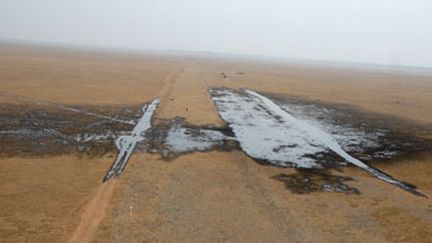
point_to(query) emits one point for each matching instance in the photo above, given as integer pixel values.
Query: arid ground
(212, 196)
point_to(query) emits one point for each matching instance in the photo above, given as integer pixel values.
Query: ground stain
(396, 137)
(264, 126)
(35, 130)
(305, 181)
(159, 139)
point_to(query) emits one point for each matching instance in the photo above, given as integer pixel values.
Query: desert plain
(203, 196)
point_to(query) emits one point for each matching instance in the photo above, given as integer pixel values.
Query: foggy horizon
(393, 33)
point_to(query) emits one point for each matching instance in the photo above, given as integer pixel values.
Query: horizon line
(257, 57)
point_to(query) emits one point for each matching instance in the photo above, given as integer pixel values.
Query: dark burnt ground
(387, 138)
(364, 135)
(315, 180)
(29, 130)
(156, 138)
(397, 139)
(393, 137)
(39, 130)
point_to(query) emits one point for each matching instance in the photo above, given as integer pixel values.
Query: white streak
(321, 138)
(126, 144)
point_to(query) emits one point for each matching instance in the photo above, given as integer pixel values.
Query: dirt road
(93, 213)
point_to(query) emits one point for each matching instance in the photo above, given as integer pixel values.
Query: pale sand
(214, 196)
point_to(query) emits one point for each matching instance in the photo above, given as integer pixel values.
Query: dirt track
(212, 196)
(93, 213)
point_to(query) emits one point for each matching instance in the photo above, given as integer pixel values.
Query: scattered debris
(224, 75)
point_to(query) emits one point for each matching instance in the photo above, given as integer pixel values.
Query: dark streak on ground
(36, 130)
(314, 180)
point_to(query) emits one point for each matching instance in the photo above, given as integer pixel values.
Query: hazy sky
(396, 32)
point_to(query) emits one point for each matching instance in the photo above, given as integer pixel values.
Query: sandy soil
(203, 197)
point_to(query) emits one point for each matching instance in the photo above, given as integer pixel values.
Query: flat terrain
(214, 196)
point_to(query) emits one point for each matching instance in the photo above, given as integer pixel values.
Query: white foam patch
(268, 132)
(261, 135)
(181, 139)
